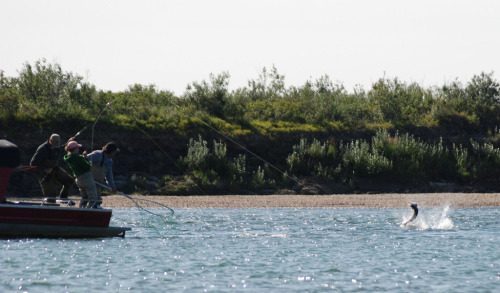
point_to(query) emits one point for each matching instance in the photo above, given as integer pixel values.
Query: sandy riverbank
(336, 200)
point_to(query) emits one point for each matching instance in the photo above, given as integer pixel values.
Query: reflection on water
(282, 250)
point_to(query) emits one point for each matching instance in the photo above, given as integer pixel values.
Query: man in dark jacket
(46, 160)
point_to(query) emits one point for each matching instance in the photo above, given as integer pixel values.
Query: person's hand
(84, 154)
(48, 170)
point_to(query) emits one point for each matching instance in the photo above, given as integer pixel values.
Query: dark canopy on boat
(9, 159)
(9, 154)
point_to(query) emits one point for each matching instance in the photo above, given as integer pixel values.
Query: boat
(44, 219)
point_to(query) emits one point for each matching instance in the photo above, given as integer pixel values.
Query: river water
(261, 249)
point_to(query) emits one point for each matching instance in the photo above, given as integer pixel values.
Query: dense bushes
(213, 168)
(402, 158)
(43, 95)
(398, 156)
(44, 91)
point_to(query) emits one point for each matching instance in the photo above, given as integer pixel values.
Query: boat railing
(58, 200)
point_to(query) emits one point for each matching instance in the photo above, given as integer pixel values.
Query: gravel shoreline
(306, 201)
(337, 200)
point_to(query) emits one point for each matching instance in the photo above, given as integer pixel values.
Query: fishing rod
(77, 134)
(95, 122)
(87, 126)
(23, 168)
(134, 200)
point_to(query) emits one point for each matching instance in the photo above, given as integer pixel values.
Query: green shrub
(213, 167)
(484, 95)
(438, 163)
(463, 162)
(399, 103)
(9, 98)
(360, 160)
(486, 160)
(307, 157)
(260, 181)
(210, 97)
(405, 152)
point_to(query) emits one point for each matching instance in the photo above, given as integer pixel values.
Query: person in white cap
(81, 168)
(48, 172)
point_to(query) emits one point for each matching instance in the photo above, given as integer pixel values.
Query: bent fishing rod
(93, 126)
(95, 122)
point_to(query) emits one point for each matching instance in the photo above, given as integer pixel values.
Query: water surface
(279, 250)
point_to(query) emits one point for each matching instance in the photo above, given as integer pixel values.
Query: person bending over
(102, 165)
(48, 172)
(81, 168)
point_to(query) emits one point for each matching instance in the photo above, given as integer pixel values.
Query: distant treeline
(43, 95)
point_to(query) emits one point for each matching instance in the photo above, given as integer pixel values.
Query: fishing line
(93, 125)
(247, 150)
(228, 138)
(252, 153)
(169, 157)
(95, 122)
(134, 200)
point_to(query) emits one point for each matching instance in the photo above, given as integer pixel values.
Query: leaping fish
(415, 213)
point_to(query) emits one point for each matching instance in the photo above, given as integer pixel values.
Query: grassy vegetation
(44, 96)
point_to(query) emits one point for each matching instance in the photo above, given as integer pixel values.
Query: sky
(173, 43)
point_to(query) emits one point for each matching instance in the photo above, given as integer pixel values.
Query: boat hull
(22, 220)
(13, 231)
(54, 215)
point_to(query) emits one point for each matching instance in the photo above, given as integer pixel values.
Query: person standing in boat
(81, 168)
(48, 172)
(102, 165)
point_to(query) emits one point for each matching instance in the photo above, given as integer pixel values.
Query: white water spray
(435, 219)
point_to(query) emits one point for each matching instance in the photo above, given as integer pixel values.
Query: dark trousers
(48, 183)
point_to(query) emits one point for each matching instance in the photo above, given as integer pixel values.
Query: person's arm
(40, 154)
(92, 157)
(109, 175)
(37, 157)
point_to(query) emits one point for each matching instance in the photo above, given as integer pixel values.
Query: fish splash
(432, 219)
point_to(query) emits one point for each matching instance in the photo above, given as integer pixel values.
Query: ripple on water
(280, 250)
